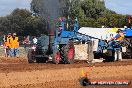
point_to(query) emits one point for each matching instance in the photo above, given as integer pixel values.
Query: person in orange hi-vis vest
(15, 45)
(8, 44)
(8, 39)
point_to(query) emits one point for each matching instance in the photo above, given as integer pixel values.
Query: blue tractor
(59, 46)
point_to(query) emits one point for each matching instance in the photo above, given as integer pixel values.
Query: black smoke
(51, 11)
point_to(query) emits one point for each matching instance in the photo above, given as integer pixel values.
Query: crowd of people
(11, 45)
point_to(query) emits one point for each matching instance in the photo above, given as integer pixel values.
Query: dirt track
(17, 73)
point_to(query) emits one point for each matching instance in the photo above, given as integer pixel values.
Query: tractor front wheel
(30, 57)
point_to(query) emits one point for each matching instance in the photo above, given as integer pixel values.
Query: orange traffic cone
(83, 74)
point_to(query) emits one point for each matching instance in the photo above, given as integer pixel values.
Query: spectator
(25, 42)
(15, 45)
(8, 44)
(6, 49)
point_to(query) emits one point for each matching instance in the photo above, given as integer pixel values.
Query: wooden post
(90, 51)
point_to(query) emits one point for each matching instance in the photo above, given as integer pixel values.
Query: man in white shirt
(35, 40)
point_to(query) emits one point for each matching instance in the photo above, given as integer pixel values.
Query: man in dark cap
(119, 36)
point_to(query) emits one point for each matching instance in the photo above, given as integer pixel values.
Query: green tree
(93, 8)
(22, 22)
(103, 21)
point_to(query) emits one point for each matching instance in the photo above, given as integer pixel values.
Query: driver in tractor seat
(117, 40)
(60, 26)
(59, 30)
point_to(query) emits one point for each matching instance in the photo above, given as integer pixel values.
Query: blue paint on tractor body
(68, 32)
(128, 32)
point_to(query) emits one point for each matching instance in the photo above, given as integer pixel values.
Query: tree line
(23, 23)
(91, 13)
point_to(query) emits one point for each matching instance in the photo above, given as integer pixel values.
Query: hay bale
(81, 52)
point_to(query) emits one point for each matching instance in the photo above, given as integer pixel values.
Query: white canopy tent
(100, 33)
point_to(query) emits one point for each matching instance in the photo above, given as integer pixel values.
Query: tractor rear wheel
(62, 48)
(30, 57)
(56, 57)
(69, 52)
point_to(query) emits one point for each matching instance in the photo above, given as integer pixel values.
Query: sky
(119, 6)
(7, 6)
